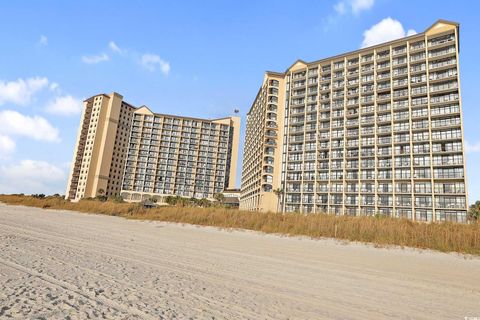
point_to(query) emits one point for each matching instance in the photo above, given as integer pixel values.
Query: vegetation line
(445, 237)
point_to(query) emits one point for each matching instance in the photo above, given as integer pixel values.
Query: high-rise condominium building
(102, 143)
(138, 154)
(374, 131)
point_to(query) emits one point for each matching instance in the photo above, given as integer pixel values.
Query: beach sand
(69, 265)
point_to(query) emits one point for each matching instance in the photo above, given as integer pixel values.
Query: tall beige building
(374, 131)
(132, 152)
(262, 156)
(102, 142)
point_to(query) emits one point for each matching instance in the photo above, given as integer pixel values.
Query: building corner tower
(262, 157)
(100, 149)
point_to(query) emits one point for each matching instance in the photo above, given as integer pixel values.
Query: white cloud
(361, 5)
(386, 30)
(152, 61)
(53, 86)
(149, 61)
(64, 105)
(113, 46)
(354, 6)
(20, 91)
(472, 148)
(36, 127)
(31, 176)
(95, 59)
(411, 32)
(7, 146)
(340, 8)
(43, 40)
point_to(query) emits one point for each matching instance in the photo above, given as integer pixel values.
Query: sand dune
(60, 264)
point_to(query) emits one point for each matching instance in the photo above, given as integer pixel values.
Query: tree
(474, 211)
(278, 192)
(219, 197)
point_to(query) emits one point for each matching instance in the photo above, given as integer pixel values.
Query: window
(402, 174)
(446, 134)
(423, 187)
(404, 201)
(421, 148)
(445, 110)
(423, 215)
(385, 200)
(445, 173)
(423, 201)
(450, 202)
(385, 187)
(368, 200)
(451, 215)
(368, 187)
(385, 174)
(448, 160)
(421, 161)
(450, 187)
(402, 187)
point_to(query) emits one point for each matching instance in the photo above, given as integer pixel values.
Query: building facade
(262, 155)
(132, 152)
(171, 155)
(101, 146)
(374, 131)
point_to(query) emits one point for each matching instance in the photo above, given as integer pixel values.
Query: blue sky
(195, 58)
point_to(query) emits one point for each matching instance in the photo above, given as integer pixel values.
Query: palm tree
(278, 192)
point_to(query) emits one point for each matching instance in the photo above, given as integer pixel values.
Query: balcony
(440, 41)
(417, 46)
(442, 64)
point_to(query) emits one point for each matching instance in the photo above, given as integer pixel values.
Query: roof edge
(380, 45)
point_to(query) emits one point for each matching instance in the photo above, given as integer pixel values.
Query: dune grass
(445, 237)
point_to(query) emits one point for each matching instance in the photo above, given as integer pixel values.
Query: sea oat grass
(446, 237)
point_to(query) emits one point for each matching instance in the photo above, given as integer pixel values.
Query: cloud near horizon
(7, 146)
(32, 176)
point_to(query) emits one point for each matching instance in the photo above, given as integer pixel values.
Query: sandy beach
(68, 265)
